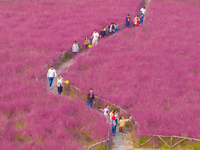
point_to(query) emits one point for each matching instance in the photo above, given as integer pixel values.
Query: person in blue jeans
(116, 27)
(141, 16)
(114, 125)
(90, 98)
(50, 75)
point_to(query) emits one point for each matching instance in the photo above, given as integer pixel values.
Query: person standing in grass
(138, 22)
(114, 125)
(143, 10)
(86, 42)
(116, 27)
(141, 16)
(75, 49)
(122, 122)
(128, 20)
(50, 75)
(90, 98)
(95, 37)
(60, 84)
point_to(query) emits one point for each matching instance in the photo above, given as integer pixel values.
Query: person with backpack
(90, 98)
(50, 75)
(122, 122)
(75, 49)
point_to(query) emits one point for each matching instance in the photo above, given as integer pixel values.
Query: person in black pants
(111, 28)
(60, 84)
(90, 98)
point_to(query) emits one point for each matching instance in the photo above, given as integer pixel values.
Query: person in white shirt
(60, 84)
(111, 115)
(143, 10)
(106, 110)
(75, 49)
(50, 75)
(95, 37)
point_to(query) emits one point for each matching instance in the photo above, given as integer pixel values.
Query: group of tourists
(114, 119)
(51, 74)
(112, 28)
(138, 20)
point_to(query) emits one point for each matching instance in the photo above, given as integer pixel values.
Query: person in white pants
(95, 37)
(50, 75)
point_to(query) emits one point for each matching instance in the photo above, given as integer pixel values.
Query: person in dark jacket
(128, 20)
(111, 28)
(90, 98)
(103, 32)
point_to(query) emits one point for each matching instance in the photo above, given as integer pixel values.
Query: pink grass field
(31, 34)
(152, 71)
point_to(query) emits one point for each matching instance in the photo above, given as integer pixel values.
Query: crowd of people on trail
(114, 119)
(112, 28)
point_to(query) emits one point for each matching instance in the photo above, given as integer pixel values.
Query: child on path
(75, 49)
(90, 98)
(60, 84)
(122, 122)
(95, 37)
(50, 75)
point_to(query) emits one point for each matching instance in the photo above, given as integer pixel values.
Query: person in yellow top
(122, 122)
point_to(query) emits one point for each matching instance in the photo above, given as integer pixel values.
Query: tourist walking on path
(105, 111)
(86, 42)
(135, 20)
(143, 10)
(111, 115)
(113, 123)
(50, 75)
(116, 116)
(122, 122)
(128, 20)
(103, 32)
(95, 37)
(141, 16)
(60, 84)
(75, 49)
(111, 28)
(138, 22)
(90, 98)
(116, 27)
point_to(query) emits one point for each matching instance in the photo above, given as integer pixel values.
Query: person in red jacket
(138, 22)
